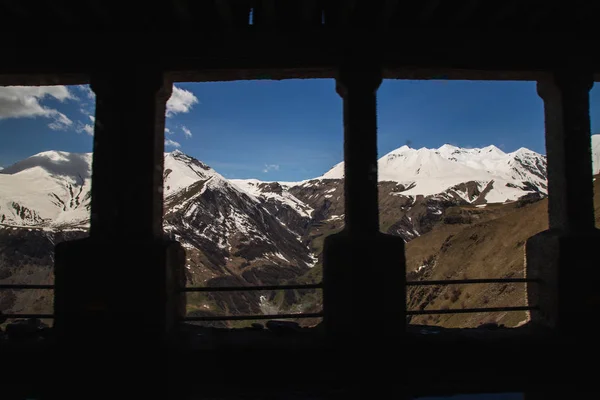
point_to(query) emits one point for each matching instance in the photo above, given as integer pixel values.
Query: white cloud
(61, 122)
(186, 132)
(168, 131)
(181, 101)
(85, 89)
(87, 128)
(24, 102)
(271, 167)
(92, 118)
(172, 143)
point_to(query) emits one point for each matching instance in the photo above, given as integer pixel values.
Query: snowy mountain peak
(447, 148)
(400, 150)
(432, 171)
(492, 149)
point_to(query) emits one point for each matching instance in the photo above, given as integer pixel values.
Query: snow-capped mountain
(240, 232)
(48, 189)
(503, 176)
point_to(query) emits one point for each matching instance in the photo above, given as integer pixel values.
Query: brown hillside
(490, 247)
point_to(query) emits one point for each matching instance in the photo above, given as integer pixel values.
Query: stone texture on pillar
(128, 159)
(358, 88)
(568, 150)
(569, 270)
(364, 271)
(564, 257)
(122, 283)
(118, 290)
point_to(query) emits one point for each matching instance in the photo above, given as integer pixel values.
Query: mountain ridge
(252, 232)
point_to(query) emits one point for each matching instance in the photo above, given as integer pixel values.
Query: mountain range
(248, 232)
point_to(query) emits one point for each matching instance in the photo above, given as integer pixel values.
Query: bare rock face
(263, 233)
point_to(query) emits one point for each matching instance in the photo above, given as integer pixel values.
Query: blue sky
(287, 130)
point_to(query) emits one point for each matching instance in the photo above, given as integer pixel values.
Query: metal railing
(16, 286)
(247, 317)
(251, 288)
(307, 287)
(471, 282)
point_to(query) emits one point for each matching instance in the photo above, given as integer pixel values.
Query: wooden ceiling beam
(268, 14)
(345, 13)
(506, 9)
(182, 11)
(225, 12)
(428, 10)
(466, 11)
(387, 13)
(308, 12)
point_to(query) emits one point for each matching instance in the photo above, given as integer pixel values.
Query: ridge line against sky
(287, 130)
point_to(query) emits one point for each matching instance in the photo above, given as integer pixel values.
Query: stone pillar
(127, 171)
(364, 294)
(358, 90)
(121, 284)
(568, 149)
(564, 257)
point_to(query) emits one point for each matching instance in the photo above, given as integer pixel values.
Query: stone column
(358, 90)
(568, 149)
(121, 284)
(364, 290)
(127, 189)
(563, 257)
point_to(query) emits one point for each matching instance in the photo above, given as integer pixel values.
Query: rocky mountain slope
(248, 232)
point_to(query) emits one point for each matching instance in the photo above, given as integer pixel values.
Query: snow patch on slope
(432, 171)
(258, 190)
(49, 188)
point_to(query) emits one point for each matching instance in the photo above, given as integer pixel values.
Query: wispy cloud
(181, 101)
(87, 91)
(168, 131)
(172, 143)
(186, 132)
(24, 102)
(270, 167)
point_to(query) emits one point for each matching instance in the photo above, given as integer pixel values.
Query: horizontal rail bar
(10, 286)
(472, 281)
(471, 310)
(27, 316)
(252, 288)
(251, 317)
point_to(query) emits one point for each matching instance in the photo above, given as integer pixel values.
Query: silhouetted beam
(471, 281)
(226, 15)
(387, 13)
(252, 288)
(507, 8)
(100, 12)
(182, 11)
(465, 12)
(545, 9)
(309, 11)
(471, 310)
(24, 287)
(268, 13)
(345, 12)
(58, 8)
(429, 9)
(253, 317)
(16, 7)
